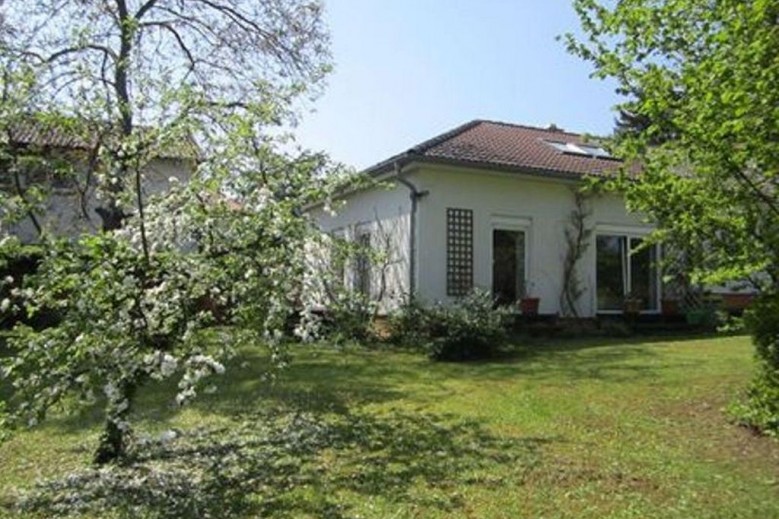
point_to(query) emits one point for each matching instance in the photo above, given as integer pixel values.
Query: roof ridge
(424, 146)
(530, 127)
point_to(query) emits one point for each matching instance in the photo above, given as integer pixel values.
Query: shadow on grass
(323, 381)
(613, 360)
(288, 464)
(326, 380)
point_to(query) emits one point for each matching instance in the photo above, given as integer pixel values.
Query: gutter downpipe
(414, 195)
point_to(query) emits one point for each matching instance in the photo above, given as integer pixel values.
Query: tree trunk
(115, 438)
(111, 215)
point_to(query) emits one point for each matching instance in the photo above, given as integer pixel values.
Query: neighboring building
(70, 205)
(489, 205)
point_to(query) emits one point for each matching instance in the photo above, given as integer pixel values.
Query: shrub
(468, 329)
(761, 408)
(348, 317)
(412, 324)
(16, 262)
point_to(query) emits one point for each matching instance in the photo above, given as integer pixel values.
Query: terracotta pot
(632, 306)
(529, 305)
(669, 307)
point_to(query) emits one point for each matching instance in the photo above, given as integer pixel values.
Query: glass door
(508, 266)
(624, 269)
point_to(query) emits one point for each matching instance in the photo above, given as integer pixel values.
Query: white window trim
(628, 232)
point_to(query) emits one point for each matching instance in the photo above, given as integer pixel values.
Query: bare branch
(144, 9)
(74, 50)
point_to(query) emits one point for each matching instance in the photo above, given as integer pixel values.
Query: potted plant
(669, 306)
(632, 305)
(705, 313)
(528, 304)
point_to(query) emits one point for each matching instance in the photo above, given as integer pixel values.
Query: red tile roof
(497, 145)
(36, 133)
(40, 134)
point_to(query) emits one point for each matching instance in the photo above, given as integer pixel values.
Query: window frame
(629, 233)
(503, 222)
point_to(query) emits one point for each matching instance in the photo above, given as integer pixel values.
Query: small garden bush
(761, 408)
(413, 324)
(470, 328)
(348, 318)
(16, 262)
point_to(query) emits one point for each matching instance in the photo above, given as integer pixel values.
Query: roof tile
(489, 143)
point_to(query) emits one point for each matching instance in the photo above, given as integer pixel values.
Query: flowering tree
(119, 65)
(132, 303)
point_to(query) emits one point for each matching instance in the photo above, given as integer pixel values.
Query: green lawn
(579, 429)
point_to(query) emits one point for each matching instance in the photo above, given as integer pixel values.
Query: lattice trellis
(459, 251)
(676, 284)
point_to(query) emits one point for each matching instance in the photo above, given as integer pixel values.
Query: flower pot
(669, 307)
(632, 306)
(529, 305)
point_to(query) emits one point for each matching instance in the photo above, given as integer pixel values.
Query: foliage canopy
(701, 116)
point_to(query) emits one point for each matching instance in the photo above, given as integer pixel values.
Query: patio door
(626, 269)
(508, 265)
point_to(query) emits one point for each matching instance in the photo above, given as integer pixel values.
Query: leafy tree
(701, 116)
(214, 78)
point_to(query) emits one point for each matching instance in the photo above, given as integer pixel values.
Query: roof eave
(494, 166)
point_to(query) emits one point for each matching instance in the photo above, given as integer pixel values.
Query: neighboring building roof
(512, 147)
(37, 133)
(34, 133)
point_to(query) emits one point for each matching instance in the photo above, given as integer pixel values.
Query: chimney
(554, 128)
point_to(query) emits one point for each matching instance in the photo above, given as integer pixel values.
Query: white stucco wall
(540, 206)
(384, 212)
(64, 215)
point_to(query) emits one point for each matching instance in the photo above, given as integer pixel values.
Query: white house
(492, 205)
(70, 205)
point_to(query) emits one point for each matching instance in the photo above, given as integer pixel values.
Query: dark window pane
(508, 266)
(363, 266)
(643, 274)
(611, 272)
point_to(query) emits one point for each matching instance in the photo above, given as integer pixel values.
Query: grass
(575, 429)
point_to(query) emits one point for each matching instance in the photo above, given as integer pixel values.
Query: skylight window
(595, 151)
(580, 149)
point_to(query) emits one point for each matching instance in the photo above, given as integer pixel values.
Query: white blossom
(110, 391)
(168, 436)
(168, 365)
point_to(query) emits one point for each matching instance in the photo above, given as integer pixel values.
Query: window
(362, 268)
(595, 151)
(508, 266)
(459, 251)
(338, 257)
(625, 270)
(580, 149)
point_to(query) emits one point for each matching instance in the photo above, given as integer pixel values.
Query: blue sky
(406, 70)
